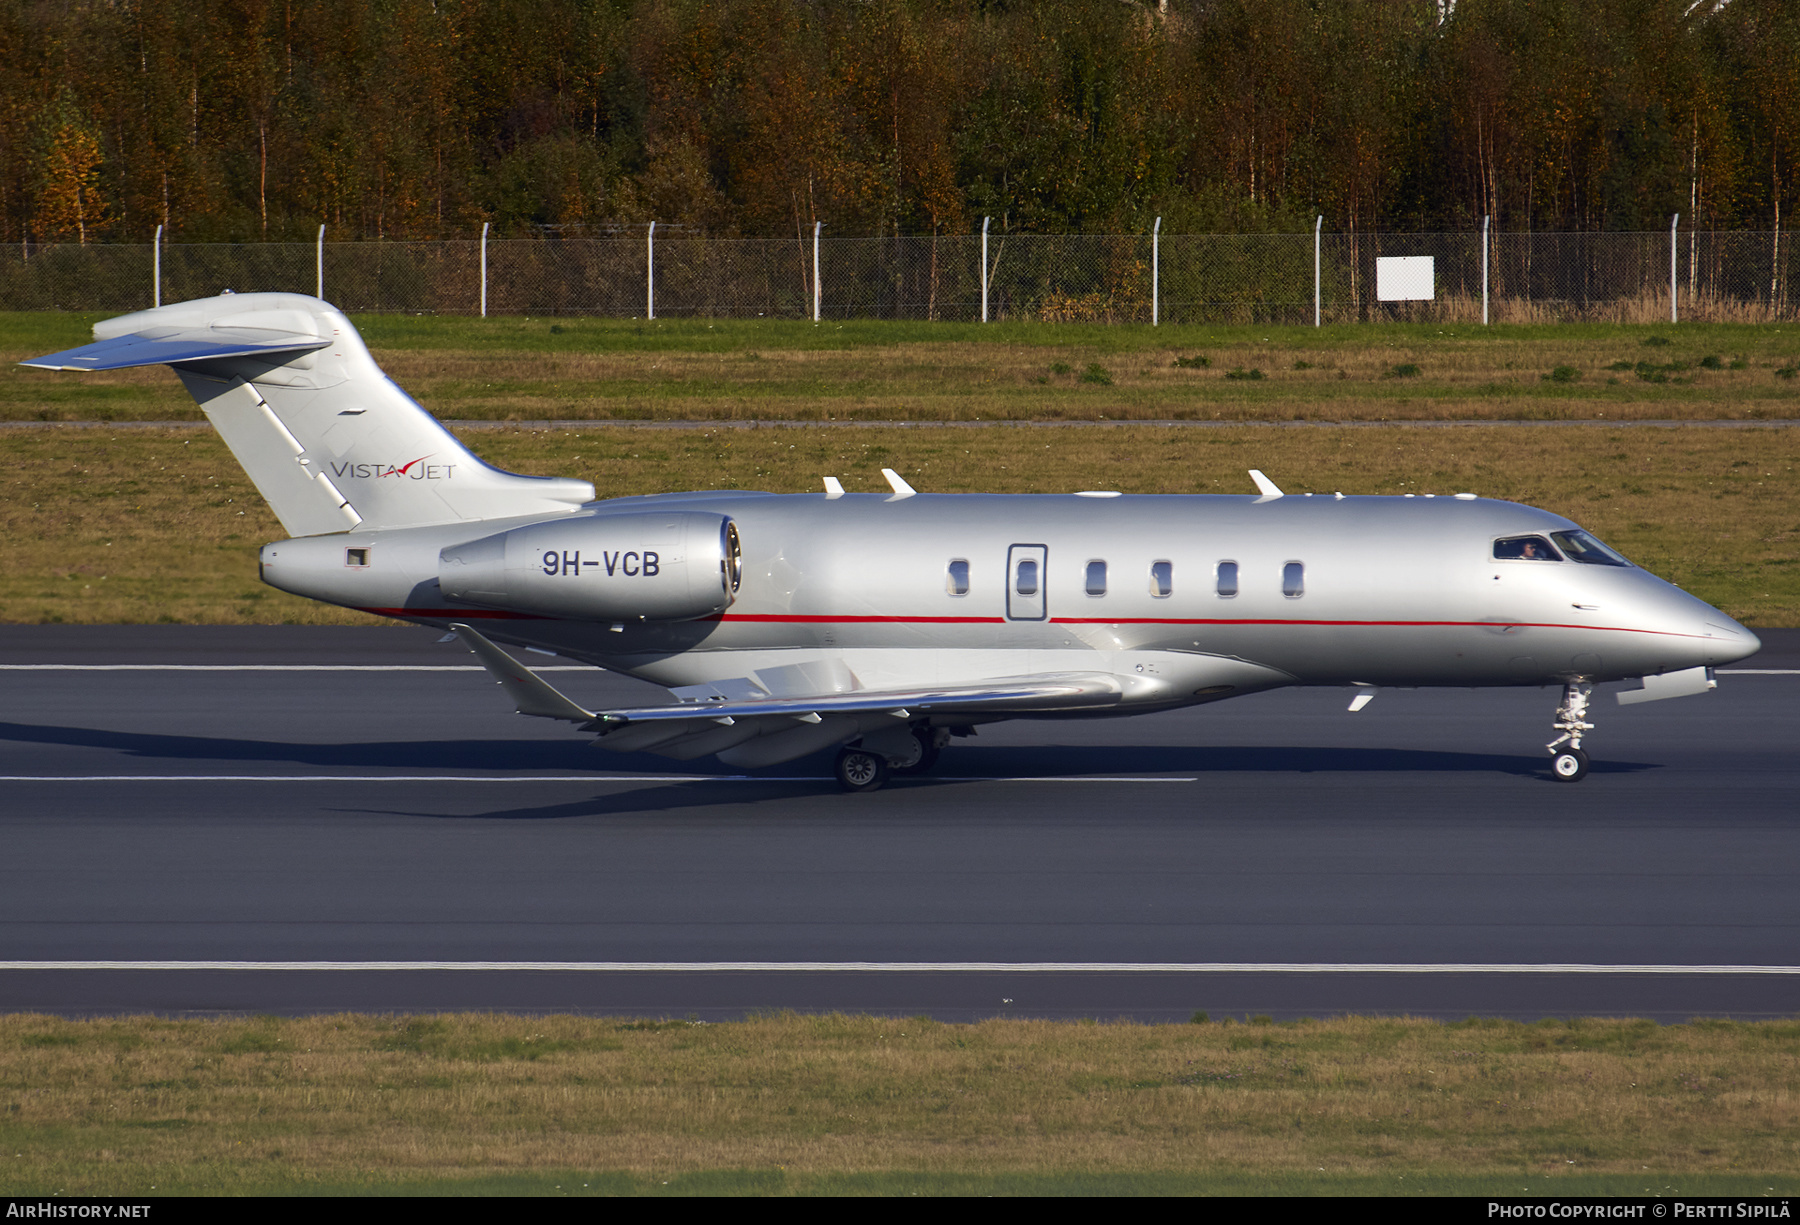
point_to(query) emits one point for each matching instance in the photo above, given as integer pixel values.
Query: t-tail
(330, 441)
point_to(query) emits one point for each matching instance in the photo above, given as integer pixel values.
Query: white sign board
(1404, 278)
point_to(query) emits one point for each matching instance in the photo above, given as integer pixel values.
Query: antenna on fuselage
(901, 488)
(1264, 485)
(834, 488)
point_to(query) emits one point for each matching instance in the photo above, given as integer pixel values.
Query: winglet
(834, 488)
(901, 488)
(1264, 485)
(532, 695)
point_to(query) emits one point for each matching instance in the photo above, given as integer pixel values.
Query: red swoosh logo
(393, 471)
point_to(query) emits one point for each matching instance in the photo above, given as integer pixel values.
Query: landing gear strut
(922, 754)
(1568, 764)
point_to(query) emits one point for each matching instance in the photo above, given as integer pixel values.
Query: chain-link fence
(1135, 278)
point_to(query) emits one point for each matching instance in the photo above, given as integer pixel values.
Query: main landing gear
(866, 765)
(860, 769)
(1568, 764)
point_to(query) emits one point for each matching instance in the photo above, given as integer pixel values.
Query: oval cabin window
(1028, 578)
(1162, 579)
(1293, 580)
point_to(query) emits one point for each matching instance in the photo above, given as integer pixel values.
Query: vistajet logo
(416, 470)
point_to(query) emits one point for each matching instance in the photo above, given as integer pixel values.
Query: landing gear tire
(926, 738)
(1569, 766)
(861, 770)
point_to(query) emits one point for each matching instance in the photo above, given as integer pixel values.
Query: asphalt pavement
(301, 819)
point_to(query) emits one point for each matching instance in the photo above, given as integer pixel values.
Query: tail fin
(330, 441)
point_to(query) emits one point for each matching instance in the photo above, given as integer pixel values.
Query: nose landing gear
(1568, 764)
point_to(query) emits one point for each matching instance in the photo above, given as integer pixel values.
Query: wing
(758, 729)
(1022, 695)
(766, 731)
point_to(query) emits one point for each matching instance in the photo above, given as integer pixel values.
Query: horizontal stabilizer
(168, 346)
(327, 438)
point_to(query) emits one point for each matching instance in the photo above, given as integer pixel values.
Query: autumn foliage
(258, 119)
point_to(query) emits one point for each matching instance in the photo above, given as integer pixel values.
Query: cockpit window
(1584, 548)
(1525, 548)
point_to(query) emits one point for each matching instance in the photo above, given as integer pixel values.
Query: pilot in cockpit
(1525, 548)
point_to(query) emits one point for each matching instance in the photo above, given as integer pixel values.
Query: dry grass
(162, 525)
(517, 369)
(117, 1106)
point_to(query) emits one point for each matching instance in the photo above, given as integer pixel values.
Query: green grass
(162, 525)
(843, 1105)
(775, 1181)
(607, 369)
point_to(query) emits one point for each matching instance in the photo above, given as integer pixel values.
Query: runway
(294, 819)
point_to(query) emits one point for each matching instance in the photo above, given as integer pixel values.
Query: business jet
(883, 626)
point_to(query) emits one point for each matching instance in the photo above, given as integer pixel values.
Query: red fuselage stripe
(811, 619)
(1534, 625)
(798, 619)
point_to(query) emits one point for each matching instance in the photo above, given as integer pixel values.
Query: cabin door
(1025, 582)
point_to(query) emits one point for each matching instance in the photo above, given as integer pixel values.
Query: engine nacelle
(649, 566)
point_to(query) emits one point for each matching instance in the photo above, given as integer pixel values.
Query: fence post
(156, 269)
(1156, 273)
(319, 265)
(1672, 281)
(484, 230)
(984, 269)
(1318, 294)
(816, 226)
(1484, 268)
(650, 272)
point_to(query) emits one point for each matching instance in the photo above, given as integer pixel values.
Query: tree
(69, 203)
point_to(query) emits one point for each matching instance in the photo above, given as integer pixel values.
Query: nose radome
(1729, 641)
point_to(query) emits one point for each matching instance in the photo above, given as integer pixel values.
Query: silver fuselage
(1394, 591)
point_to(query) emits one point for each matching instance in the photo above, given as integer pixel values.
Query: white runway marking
(923, 967)
(281, 668)
(474, 668)
(528, 778)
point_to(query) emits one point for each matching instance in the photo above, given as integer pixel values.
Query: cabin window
(1096, 578)
(1525, 548)
(1162, 579)
(1027, 582)
(1228, 583)
(1581, 547)
(1293, 580)
(356, 558)
(956, 577)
